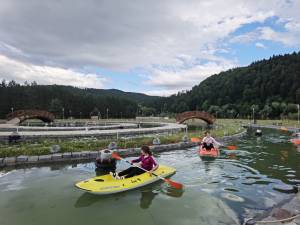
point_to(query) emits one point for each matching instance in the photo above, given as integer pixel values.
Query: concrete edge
(24, 160)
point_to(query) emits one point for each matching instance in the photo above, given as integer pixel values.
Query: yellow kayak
(106, 184)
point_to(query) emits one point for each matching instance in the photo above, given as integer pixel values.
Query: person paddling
(145, 161)
(208, 142)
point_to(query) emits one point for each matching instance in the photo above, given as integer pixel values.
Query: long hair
(146, 149)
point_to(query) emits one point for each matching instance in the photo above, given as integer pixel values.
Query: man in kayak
(145, 161)
(208, 142)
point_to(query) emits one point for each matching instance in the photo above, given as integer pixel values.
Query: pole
(298, 113)
(253, 115)
(107, 113)
(63, 111)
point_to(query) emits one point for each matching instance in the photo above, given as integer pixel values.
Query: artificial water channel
(261, 173)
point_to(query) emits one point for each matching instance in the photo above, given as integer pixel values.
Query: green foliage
(76, 102)
(272, 86)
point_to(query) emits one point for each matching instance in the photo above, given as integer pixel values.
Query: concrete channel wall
(34, 135)
(24, 160)
(84, 155)
(291, 129)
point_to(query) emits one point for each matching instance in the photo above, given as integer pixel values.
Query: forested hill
(271, 87)
(76, 102)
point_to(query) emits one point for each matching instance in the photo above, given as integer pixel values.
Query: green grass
(42, 147)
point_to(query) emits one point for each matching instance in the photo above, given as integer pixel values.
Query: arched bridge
(20, 115)
(208, 118)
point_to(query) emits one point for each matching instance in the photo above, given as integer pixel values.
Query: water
(246, 182)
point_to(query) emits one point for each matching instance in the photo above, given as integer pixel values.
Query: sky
(153, 47)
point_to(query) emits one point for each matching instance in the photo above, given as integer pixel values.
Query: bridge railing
(195, 114)
(23, 114)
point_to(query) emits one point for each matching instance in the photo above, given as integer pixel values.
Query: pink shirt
(147, 163)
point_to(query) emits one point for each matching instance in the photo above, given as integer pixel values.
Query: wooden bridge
(21, 115)
(208, 118)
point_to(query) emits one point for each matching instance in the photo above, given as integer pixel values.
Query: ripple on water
(257, 182)
(231, 189)
(285, 188)
(290, 175)
(232, 197)
(294, 181)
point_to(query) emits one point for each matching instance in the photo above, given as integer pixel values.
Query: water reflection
(147, 196)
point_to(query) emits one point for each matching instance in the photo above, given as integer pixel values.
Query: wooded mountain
(270, 87)
(73, 101)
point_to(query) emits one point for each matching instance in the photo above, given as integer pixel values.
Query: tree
(56, 106)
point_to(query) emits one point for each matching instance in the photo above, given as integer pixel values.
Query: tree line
(63, 101)
(267, 88)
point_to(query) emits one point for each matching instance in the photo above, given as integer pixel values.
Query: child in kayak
(145, 161)
(208, 142)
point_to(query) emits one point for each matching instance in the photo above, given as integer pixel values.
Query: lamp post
(63, 113)
(70, 113)
(298, 112)
(12, 110)
(107, 113)
(253, 115)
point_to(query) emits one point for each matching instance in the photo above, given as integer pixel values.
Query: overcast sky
(155, 47)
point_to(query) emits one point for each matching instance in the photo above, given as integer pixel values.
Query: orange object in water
(194, 139)
(284, 129)
(231, 147)
(213, 153)
(295, 141)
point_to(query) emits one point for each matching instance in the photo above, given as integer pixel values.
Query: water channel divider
(24, 160)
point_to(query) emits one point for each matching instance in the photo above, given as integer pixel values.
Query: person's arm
(137, 160)
(155, 165)
(203, 140)
(215, 142)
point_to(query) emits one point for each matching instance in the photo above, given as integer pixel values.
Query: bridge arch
(21, 115)
(208, 118)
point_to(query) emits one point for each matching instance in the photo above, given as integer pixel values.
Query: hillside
(75, 101)
(271, 87)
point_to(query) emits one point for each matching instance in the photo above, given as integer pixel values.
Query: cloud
(164, 92)
(120, 35)
(186, 78)
(21, 72)
(288, 38)
(260, 45)
(178, 43)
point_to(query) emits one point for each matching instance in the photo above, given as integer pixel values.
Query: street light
(253, 115)
(63, 112)
(107, 113)
(12, 110)
(298, 112)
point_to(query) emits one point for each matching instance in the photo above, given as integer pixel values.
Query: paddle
(229, 147)
(172, 183)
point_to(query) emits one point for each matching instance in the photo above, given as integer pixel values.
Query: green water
(241, 183)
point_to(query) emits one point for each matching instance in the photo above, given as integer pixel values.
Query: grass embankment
(286, 123)
(42, 147)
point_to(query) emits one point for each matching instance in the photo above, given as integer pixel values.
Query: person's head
(145, 150)
(207, 133)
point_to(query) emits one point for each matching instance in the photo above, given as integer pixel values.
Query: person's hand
(136, 164)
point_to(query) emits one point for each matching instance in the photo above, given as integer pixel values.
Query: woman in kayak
(145, 161)
(208, 142)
